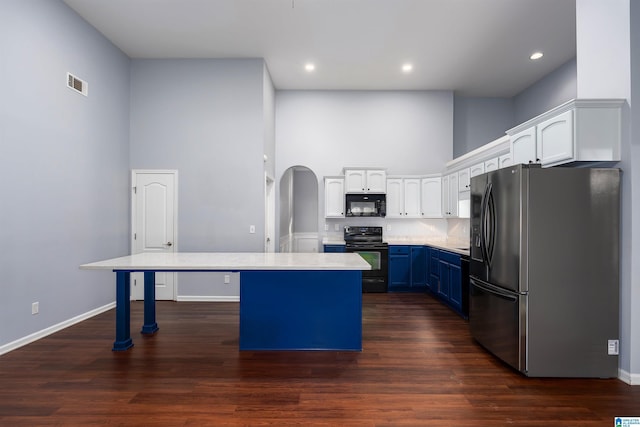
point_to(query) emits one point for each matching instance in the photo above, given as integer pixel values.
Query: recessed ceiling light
(536, 55)
(309, 67)
(407, 68)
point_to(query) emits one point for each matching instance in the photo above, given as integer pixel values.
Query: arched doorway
(298, 210)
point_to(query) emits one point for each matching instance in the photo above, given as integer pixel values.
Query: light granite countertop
(454, 246)
(223, 261)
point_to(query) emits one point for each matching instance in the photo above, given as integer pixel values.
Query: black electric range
(367, 242)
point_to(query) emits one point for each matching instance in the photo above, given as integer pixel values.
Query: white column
(602, 48)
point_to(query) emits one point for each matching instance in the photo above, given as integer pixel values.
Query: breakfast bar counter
(288, 301)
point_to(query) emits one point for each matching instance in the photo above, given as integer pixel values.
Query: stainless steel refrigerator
(544, 269)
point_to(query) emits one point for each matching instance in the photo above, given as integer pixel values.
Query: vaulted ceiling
(474, 47)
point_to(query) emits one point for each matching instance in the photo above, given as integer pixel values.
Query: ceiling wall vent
(78, 85)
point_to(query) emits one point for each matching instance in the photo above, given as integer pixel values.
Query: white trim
(571, 104)
(629, 378)
(55, 328)
(493, 149)
(210, 298)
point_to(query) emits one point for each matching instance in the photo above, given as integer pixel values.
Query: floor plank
(419, 367)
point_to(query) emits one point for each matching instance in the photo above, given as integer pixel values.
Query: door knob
(168, 244)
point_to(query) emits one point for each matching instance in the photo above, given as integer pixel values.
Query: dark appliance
(367, 242)
(544, 269)
(366, 204)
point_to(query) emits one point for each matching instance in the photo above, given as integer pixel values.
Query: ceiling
(474, 47)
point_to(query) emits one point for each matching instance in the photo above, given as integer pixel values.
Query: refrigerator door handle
(491, 211)
(484, 211)
(510, 296)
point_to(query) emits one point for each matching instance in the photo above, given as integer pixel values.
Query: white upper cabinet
(523, 147)
(431, 197)
(333, 197)
(365, 180)
(554, 139)
(477, 169)
(412, 207)
(464, 179)
(581, 130)
(395, 199)
(450, 195)
(414, 197)
(491, 165)
(504, 161)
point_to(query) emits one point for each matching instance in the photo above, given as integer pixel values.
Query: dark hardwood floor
(419, 367)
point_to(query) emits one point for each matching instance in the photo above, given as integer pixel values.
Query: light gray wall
(552, 90)
(478, 121)
(406, 132)
(63, 165)
(205, 118)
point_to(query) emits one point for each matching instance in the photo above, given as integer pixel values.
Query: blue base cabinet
(449, 279)
(408, 268)
(399, 268)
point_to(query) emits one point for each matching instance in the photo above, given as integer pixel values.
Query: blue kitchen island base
(288, 301)
(301, 310)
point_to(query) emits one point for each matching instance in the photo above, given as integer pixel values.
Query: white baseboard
(55, 328)
(198, 298)
(629, 378)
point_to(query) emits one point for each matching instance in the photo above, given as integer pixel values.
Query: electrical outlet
(35, 308)
(613, 347)
(252, 229)
(326, 227)
(336, 227)
(227, 279)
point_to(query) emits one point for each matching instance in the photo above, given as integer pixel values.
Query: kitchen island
(288, 301)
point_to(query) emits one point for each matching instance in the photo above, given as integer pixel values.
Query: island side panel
(301, 310)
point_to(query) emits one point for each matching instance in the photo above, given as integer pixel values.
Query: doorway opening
(299, 211)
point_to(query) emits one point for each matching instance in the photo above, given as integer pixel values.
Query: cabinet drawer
(398, 250)
(450, 257)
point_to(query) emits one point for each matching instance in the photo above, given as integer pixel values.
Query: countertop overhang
(225, 261)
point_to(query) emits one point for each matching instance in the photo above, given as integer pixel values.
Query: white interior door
(154, 225)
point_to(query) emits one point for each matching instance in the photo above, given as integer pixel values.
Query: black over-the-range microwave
(366, 204)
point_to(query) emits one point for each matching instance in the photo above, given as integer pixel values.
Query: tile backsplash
(458, 230)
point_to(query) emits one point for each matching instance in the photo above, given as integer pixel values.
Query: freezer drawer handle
(494, 291)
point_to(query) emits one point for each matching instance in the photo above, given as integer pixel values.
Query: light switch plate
(613, 347)
(252, 229)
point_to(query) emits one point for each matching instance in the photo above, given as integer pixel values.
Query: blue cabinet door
(434, 270)
(443, 289)
(399, 268)
(418, 267)
(455, 287)
(334, 248)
